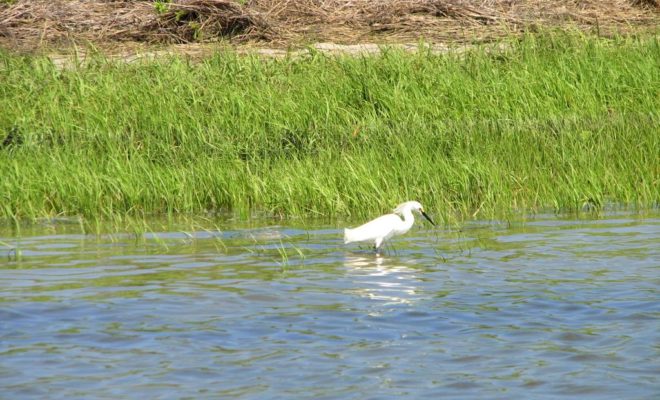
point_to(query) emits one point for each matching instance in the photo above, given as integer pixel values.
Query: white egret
(386, 226)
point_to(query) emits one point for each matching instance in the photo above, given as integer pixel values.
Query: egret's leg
(379, 241)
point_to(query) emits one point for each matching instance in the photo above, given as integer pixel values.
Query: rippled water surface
(548, 308)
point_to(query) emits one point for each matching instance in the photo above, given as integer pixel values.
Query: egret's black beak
(427, 217)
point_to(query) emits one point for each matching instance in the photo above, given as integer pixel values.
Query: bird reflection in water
(378, 278)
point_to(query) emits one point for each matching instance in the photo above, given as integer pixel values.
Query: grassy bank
(559, 121)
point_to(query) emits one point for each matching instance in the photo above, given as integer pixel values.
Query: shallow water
(548, 308)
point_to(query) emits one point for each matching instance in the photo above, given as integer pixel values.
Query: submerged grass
(556, 121)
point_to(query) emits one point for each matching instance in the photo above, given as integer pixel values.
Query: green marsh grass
(556, 121)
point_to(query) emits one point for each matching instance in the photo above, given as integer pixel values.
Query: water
(549, 308)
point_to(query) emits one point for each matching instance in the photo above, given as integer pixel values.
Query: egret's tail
(348, 236)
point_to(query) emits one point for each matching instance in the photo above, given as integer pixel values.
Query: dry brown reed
(33, 23)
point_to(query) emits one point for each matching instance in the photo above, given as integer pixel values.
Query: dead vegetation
(29, 24)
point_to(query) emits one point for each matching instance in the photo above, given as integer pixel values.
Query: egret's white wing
(381, 227)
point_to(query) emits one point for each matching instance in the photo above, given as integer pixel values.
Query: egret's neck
(408, 218)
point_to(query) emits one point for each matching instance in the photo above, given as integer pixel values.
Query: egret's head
(412, 206)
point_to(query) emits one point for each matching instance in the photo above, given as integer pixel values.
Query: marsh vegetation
(557, 121)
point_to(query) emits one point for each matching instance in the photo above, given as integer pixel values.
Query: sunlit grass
(556, 121)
